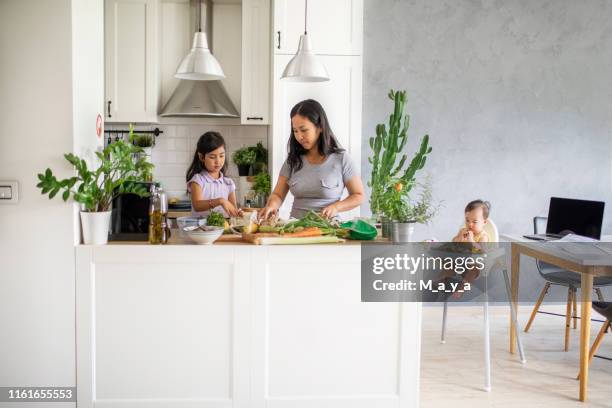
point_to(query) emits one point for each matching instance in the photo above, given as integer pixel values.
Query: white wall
(87, 82)
(36, 235)
(51, 82)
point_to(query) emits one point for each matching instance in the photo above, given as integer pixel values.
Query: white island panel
(191, 326)
(171, 331)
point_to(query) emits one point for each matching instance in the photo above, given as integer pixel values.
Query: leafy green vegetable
(215, 219)
(311, 219)
(118, 173)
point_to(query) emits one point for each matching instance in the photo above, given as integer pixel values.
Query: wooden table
(587, 266)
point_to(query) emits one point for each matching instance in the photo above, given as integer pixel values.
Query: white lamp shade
(199, 64)
(305, 66)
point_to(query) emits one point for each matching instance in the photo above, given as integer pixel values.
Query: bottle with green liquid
(159, 232)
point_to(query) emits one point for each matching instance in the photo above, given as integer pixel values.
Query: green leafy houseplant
(388, 167)
(261, 158)
(261, 184)
(117, 173)
(244, 157)
(398, 206)
(143, 140)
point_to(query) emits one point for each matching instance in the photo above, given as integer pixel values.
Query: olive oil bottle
(159, 233)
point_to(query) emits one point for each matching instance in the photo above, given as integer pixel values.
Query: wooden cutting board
(229, 238)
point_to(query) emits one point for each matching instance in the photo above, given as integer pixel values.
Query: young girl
(210, 189)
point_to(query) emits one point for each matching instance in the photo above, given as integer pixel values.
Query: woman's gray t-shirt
(315, 186)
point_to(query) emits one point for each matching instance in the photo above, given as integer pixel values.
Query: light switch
(5, 193)
(9, 192)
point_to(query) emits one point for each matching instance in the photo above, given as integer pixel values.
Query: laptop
(570, 216)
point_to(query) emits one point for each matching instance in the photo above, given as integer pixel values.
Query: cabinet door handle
(109, 110)
(254, 118)
(279, 40)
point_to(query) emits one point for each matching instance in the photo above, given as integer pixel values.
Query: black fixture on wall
(117, 133)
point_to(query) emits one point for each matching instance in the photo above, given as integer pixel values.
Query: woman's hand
(330, 211)
(267, 212)
(229, 208)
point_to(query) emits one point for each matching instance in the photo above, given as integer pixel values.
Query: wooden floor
(452, 374)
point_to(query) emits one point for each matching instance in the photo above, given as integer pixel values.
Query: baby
(473, 237)
(476, 217)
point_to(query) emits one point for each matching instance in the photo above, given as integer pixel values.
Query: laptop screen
(579, 217)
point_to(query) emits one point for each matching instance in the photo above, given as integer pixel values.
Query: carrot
(306, 232)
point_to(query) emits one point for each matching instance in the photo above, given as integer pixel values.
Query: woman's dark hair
(328, 144)
(208, 142)
(485, 205)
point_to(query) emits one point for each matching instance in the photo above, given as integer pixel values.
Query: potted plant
(261, 159)
(405, 213)
(244, 158)
(117, 173)
(261, 186)
(388, 162)
(145, 141)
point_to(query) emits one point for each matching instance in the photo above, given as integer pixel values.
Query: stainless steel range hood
(194, 98)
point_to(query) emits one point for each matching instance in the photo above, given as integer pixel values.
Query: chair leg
(601, 299)
(575, 307)
(487, 342)
(444, 312)
(599, 294)
(537, 306)
(568, 316)
(517, 329)
(597, 342)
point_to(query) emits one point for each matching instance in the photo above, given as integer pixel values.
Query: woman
(317, 169)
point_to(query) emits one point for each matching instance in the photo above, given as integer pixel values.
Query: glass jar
(159, 232)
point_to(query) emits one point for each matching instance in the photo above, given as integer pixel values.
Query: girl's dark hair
(485, 205)
(328, 144)
(208, 142)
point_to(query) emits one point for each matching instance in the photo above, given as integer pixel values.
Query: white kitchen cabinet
(131, 71)
(341, 99)
(255, 101)
(334, 27)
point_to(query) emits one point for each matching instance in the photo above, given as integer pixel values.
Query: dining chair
(604, 309)
(554, 275)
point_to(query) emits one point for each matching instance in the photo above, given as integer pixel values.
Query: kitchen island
(238, 325)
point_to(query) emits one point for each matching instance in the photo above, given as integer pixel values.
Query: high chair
(492, 232)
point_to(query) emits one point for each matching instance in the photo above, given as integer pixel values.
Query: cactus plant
(386, 147)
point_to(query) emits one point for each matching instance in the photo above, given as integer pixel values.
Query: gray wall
(516, 95)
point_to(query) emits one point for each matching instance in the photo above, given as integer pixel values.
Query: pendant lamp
(305, 66)
(199, 64)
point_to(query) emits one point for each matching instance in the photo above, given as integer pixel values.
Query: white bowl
(206, 237)
(189, 221)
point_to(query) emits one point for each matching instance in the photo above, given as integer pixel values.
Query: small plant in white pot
(118, 173)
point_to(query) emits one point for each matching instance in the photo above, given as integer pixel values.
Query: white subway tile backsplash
(173, 183)
(171, 144)
(175, 148)
(168, 157)
(170, 170)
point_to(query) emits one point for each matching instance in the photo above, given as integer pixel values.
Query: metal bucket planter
(402, 232)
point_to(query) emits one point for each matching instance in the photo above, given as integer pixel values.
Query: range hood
(200, 98)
